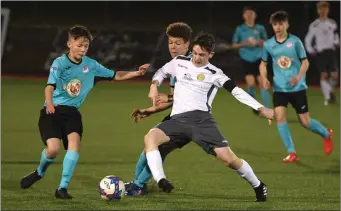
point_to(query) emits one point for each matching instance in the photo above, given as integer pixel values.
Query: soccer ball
(111, 188)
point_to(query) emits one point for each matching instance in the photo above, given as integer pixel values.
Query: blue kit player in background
(72, 76)
(289, 83)
(249, 38)
(179, 35)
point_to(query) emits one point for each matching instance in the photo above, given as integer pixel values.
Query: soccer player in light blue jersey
(249, 38)
(289, 83)
(179, 35)
(72, 76)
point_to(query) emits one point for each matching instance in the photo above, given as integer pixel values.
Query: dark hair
(179, 29)
(79, 31)
(205, 40)
(248, 8)
(279, 16)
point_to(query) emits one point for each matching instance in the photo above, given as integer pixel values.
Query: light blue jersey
(73, 82)
(243, 33)
(286, 58)
(172, 79)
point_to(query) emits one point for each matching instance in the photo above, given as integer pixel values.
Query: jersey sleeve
(103, 72)
(301, 53)
(265, 53)
(309, 38)
(172, 82)
(263, 33)
(166, 71)
(54, 73)
(219, 79)
(236, 36)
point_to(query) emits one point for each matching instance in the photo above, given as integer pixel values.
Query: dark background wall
(128, 34)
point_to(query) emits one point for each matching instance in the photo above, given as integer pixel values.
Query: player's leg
(208, 136)
(243, 168)
(280, 101)
(249, 72)
(157, 136)
(334, 75)
(322, 67)
(50, 132)
(73, 128)
(300, 103)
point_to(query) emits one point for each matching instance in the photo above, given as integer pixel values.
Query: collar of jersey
(283, 41)
(66, 55)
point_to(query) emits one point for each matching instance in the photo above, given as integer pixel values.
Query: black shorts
(174, 143)
(326, 61)
(251, 68)
(198, 126)
(298, 100)
(65, 120)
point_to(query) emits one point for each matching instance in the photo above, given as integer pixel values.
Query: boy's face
(249, 15)
(323, 11)
(177, 46)
(200, 56)
(78, 48)
(280, 27)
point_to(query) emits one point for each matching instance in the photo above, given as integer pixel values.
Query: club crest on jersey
(289, 45)
(200, 77)
(284, 62)
(73, 88)
(85, 69)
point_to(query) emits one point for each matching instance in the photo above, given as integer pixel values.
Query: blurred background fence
(128, 34)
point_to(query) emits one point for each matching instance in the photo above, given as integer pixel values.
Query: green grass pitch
(112, 144)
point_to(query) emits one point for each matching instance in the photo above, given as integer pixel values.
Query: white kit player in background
(196, 84)
(324, 31)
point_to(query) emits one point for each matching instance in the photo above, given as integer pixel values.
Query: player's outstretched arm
(139, 114)
(49, 100)
(125, 75)
(265, 83)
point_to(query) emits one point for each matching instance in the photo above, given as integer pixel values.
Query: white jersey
(196, 87)
(325, 34)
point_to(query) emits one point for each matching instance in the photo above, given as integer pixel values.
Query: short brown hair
(179, 29)
(322, 4)
(279, 16)
(79, 31)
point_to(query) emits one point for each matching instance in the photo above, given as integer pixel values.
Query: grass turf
(112, 144)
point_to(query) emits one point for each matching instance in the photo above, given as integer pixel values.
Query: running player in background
(324, 31)
(290, 66)
(249, 38)
(179, 35)
(72, 76)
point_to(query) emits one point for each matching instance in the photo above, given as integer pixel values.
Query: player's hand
(294, 80)
(266, 84)
(153, 92)
(267, 113)
(161, 98)
(50, 109)
(143, 69)
(139, 114)
(261, 42)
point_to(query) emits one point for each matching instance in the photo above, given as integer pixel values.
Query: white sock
(326, 89)
(247, 173)
(155, 165)
(332, 83)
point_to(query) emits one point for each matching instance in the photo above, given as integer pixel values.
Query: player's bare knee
(52, 147)
(74, 141)
(324, 76)
(334, 75)
(304, 120)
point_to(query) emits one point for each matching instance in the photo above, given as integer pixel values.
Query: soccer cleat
(62, 194)
(165, 185)
(291, 158)
(128, 184)
(30, 179)
(261, 192)
(135, 190)
(328, 143)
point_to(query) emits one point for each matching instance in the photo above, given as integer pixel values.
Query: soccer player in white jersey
(324, 31)
(197, 82)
